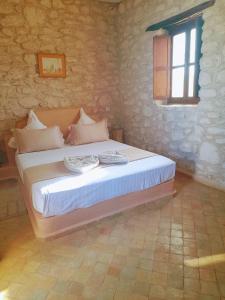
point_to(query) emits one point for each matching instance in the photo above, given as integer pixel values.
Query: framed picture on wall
(51, 65)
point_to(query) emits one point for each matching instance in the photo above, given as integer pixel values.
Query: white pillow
(12, 143)
(32, 123)
(84, 118)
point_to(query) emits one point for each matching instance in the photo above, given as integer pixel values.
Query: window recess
(176, 57)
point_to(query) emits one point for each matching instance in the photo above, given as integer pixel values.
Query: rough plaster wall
(84, 30)
(192, 135)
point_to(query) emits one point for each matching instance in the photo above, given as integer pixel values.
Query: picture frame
(51, 65)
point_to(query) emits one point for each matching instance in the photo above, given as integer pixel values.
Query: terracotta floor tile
(176, 233)
(129, 296)
(174, 293)
(128, 273)
(143, 275)
(170, 251)
(191, 284)
(157, 278)
(176, 241)
(157, 291)
(114, 270)
(222, 288)
(190, 272)
(175, 281)
(146, 264)
(106, 294)
(207, 275)
(176, 249)
(209, 288)
(176, 258)
(208, 297)
(141, 288)
(189, 295)
(75, 288)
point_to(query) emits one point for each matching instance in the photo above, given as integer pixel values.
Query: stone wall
(84, 30)
(194, 136)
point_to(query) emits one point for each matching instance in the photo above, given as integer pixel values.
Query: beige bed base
(50, 227)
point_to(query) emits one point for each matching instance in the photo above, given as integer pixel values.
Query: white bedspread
(62, 195)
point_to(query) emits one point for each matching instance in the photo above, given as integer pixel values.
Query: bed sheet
(61, 195)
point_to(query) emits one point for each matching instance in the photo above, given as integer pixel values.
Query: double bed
(58, 205)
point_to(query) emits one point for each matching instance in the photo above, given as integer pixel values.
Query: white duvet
(61, 195)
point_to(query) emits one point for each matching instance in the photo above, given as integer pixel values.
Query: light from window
(193, 45)
(179, 49)
(191, 81)
(184, 63)
(178, 82)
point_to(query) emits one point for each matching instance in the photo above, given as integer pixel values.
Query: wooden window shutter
(161, 67)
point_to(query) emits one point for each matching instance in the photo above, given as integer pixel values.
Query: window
(176, 63)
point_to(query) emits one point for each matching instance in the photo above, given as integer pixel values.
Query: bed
(59, 205)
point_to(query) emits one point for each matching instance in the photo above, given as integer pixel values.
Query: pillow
(32, 123)
(90, 133)
(32, 140)
(84, 118)
(12, 141)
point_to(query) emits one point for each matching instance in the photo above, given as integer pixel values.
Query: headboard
(61, 117)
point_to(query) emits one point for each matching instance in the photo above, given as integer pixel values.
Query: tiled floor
(172, 251)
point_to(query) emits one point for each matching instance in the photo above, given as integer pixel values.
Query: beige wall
(193, 136)
(82, 29)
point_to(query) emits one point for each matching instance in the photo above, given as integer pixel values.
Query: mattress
(61, 195)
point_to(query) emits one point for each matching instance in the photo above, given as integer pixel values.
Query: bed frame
(55, 226)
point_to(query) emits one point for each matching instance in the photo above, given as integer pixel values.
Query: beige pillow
(32, 123)
(32, 140)
(88, 133)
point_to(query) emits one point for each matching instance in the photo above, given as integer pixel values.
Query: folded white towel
(81, 164)
(112, 157)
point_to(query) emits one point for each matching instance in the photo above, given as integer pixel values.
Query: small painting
(52, 65)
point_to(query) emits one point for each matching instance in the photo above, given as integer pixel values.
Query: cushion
(84, 118)
(90, 133)
(12, 143)
(32, 123)
(32, 140)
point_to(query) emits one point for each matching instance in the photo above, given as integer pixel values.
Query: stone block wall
(84, 30)
(194, 136)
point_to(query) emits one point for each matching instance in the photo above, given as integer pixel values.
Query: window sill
(183, 101)
(179, 101)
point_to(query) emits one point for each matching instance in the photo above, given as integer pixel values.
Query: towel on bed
(81, 164)
(112, 157)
